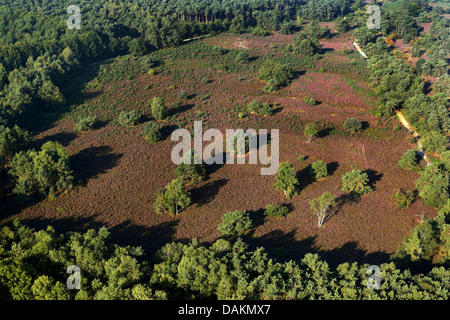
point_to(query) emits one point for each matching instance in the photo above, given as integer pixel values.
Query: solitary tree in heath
(356, 182)
(174, 199)
(286, 179)
(321, 204)
(310, 131)
(159, 109)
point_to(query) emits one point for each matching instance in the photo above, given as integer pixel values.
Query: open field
(118, 172)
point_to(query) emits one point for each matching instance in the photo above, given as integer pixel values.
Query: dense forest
(38, 57)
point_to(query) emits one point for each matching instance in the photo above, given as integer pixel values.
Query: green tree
(276, 210)
(352, 125)
(151, 132)
(131, 118)
(321, 204)
(191, 172)
(403, 199)
(46, 171)
(175, 197)
(11, 141)
(356, 181)
(159, 109)
(408, 160)
(85, 123)
(286, 179)
(319, 169)
(310, 131)
(434, 141)
(433, 186)
(234, 223)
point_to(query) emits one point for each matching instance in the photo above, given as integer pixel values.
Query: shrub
(242, 57)
(151, 132)
(159, 109)
(403, 199)
(182, 96)
(85, 123)
(276, 74)
(254, 106)
(286, 179)
(129, 118)
(276, 210)
(265, 109)
(310, 131)
(352, 125)
(235, 223)
(319, 169)
(310, 101)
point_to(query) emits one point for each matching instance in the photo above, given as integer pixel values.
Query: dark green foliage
(151, 132)
(11, 141)
(356, 181)
(352, 125)
(262, 109)
(319, 169)
(433, 186)
(173, 199)
(434, 142)
(276, 210)
(131, 118)
(46, 171)
(310, 101)
(85, 123)
(191, 172)
(275, 74)
(286, 179)
(409, 160)
(182, 96)
(310, 131)
(234, 223)
(403, 199)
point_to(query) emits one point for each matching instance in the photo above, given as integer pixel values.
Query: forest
(137, 70)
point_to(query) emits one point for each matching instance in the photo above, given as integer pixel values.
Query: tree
(286, 179)
(408, 160)
(182, 96)
(403, 199)
(433, 141)
(310, 131)
(151, 132)
(46, 171)
(319, 169)
(174, 198)
(234, 223)
(85, 123)
(356, 181)
(352, 125)
(275, 74)
(159, 109)
(129, 118)
(433, 186)
(191, 172)
(276, 210)
(11, 140)
(321, 204)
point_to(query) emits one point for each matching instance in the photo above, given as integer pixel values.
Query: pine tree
(286, 179)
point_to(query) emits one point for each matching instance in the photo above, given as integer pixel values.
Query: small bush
(352, 125)
(182, 96)
(310, 101)
(85, 123)
(129, 118)
(159, 109)
(235, 223)
(276, 210)
(150, 132)
(319, 169)
(403, 199)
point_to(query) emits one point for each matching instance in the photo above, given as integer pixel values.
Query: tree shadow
(257, 217)
(206, 193)
(346, 198)
(374, 177)
(182, 108)
(214, 167)
(364, 125)
(325, 132)
(305, 178)
(297, 74)
(91, 162)
(332, 167)
(166, 131)
(62, 137)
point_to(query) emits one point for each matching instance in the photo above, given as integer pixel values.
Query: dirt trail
(402, 118)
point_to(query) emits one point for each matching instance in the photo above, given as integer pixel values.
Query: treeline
(33, 265)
